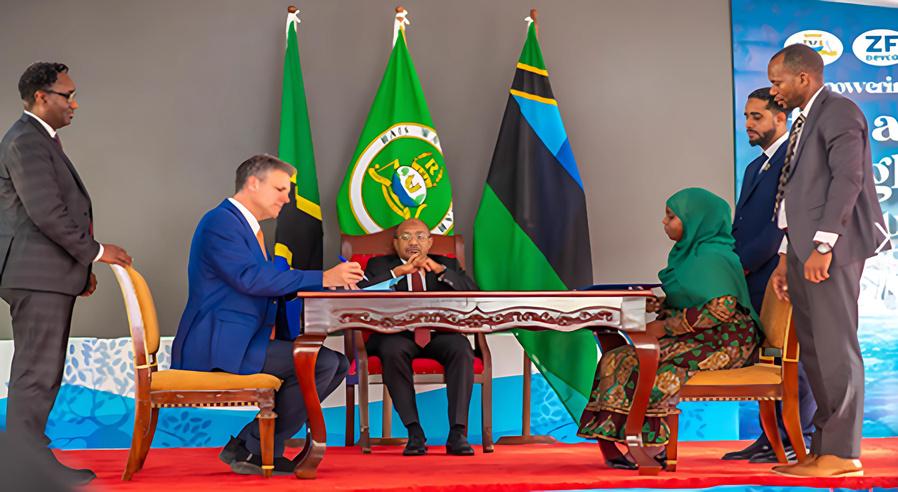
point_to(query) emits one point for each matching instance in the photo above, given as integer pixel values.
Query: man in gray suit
(46, 251)
(827, 204)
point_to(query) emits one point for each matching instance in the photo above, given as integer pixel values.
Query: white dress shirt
(52, 133)
(43, 123)
(250, 218)
(821, 236)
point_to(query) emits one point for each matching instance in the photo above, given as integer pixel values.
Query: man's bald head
(796, 74)
(412, 236)
(798, 58)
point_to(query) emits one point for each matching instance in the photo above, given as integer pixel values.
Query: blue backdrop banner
(859, 45)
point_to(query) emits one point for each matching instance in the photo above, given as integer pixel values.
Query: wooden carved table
(608, 313)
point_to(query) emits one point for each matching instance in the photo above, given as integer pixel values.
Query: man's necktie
(261, 238)
(58, 141)
(787, 165)
(422, 335)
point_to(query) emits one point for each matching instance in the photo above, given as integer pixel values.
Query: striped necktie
(787, 164)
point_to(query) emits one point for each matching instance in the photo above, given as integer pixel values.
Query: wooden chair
(365, 370)
(774, 377)
(155, 389)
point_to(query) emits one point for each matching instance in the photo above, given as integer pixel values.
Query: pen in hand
(344, 260)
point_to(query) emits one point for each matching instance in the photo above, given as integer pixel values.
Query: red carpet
(534, 467)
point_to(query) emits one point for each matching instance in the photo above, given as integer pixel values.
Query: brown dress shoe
(808, 459)
(826, 465)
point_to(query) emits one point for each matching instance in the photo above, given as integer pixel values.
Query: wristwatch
(823, 248)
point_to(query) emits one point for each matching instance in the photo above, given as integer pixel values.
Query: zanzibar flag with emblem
(397, 171)
(299, 235)
(530, 232)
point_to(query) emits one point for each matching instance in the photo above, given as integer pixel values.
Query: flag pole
(526, 437)
(386, 426)
(535, 21)
(294, 442)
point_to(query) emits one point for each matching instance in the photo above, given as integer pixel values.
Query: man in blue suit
(232, 304)
(758, 240)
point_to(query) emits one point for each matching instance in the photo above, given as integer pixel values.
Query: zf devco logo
(877, 47)
(826, 44)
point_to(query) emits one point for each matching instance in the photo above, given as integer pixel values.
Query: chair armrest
(485, 354)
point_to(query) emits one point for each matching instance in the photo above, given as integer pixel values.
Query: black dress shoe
(234, 447)
(623, 463)
(415, 446)
(770, 455)
(252, 465)
(457, 445)
(73, 476)
(759, 446)
(65, 474)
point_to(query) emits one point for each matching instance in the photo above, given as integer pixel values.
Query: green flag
(299, 236)
(397, 171)
(531, 232)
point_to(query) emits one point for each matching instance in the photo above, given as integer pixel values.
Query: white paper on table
(385, 285)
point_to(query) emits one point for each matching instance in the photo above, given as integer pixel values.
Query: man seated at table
(422, 272)
(233, 295)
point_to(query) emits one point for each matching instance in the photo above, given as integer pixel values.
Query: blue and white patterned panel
(95, 407)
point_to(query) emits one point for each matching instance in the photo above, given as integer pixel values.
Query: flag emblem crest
(400, 175)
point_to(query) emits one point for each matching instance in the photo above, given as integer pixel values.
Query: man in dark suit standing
(758, 240)
(47, 247)
(826, 203)
(234, 290)
(422, 272)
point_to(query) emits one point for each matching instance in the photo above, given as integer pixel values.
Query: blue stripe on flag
(565, 157)
(545, 120)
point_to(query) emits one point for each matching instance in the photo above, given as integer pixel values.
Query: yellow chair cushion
(758, 374)
(175, 379)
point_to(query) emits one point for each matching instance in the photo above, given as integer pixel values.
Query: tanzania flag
(530, 232)
(299, 237)
(397, 171)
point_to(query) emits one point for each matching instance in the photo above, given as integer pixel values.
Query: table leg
(647, 351)
(305, 353)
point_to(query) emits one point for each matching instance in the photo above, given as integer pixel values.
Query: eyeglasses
(69, 96)
(407, 236)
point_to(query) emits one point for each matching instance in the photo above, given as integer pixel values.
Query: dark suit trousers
(452, 350)
(40, 330)
(826, 322)
(330, 369)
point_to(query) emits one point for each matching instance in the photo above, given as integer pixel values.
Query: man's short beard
(764, 139)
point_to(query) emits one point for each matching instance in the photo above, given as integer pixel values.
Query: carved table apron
(608, 313)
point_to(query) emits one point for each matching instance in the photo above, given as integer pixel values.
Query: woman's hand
(656, 329)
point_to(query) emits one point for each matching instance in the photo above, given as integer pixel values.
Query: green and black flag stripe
(299, 236)
(531, 230)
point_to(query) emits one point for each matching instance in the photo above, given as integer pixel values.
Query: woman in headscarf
(706, 322)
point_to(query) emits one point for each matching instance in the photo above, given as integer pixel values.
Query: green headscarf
(703, 265)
